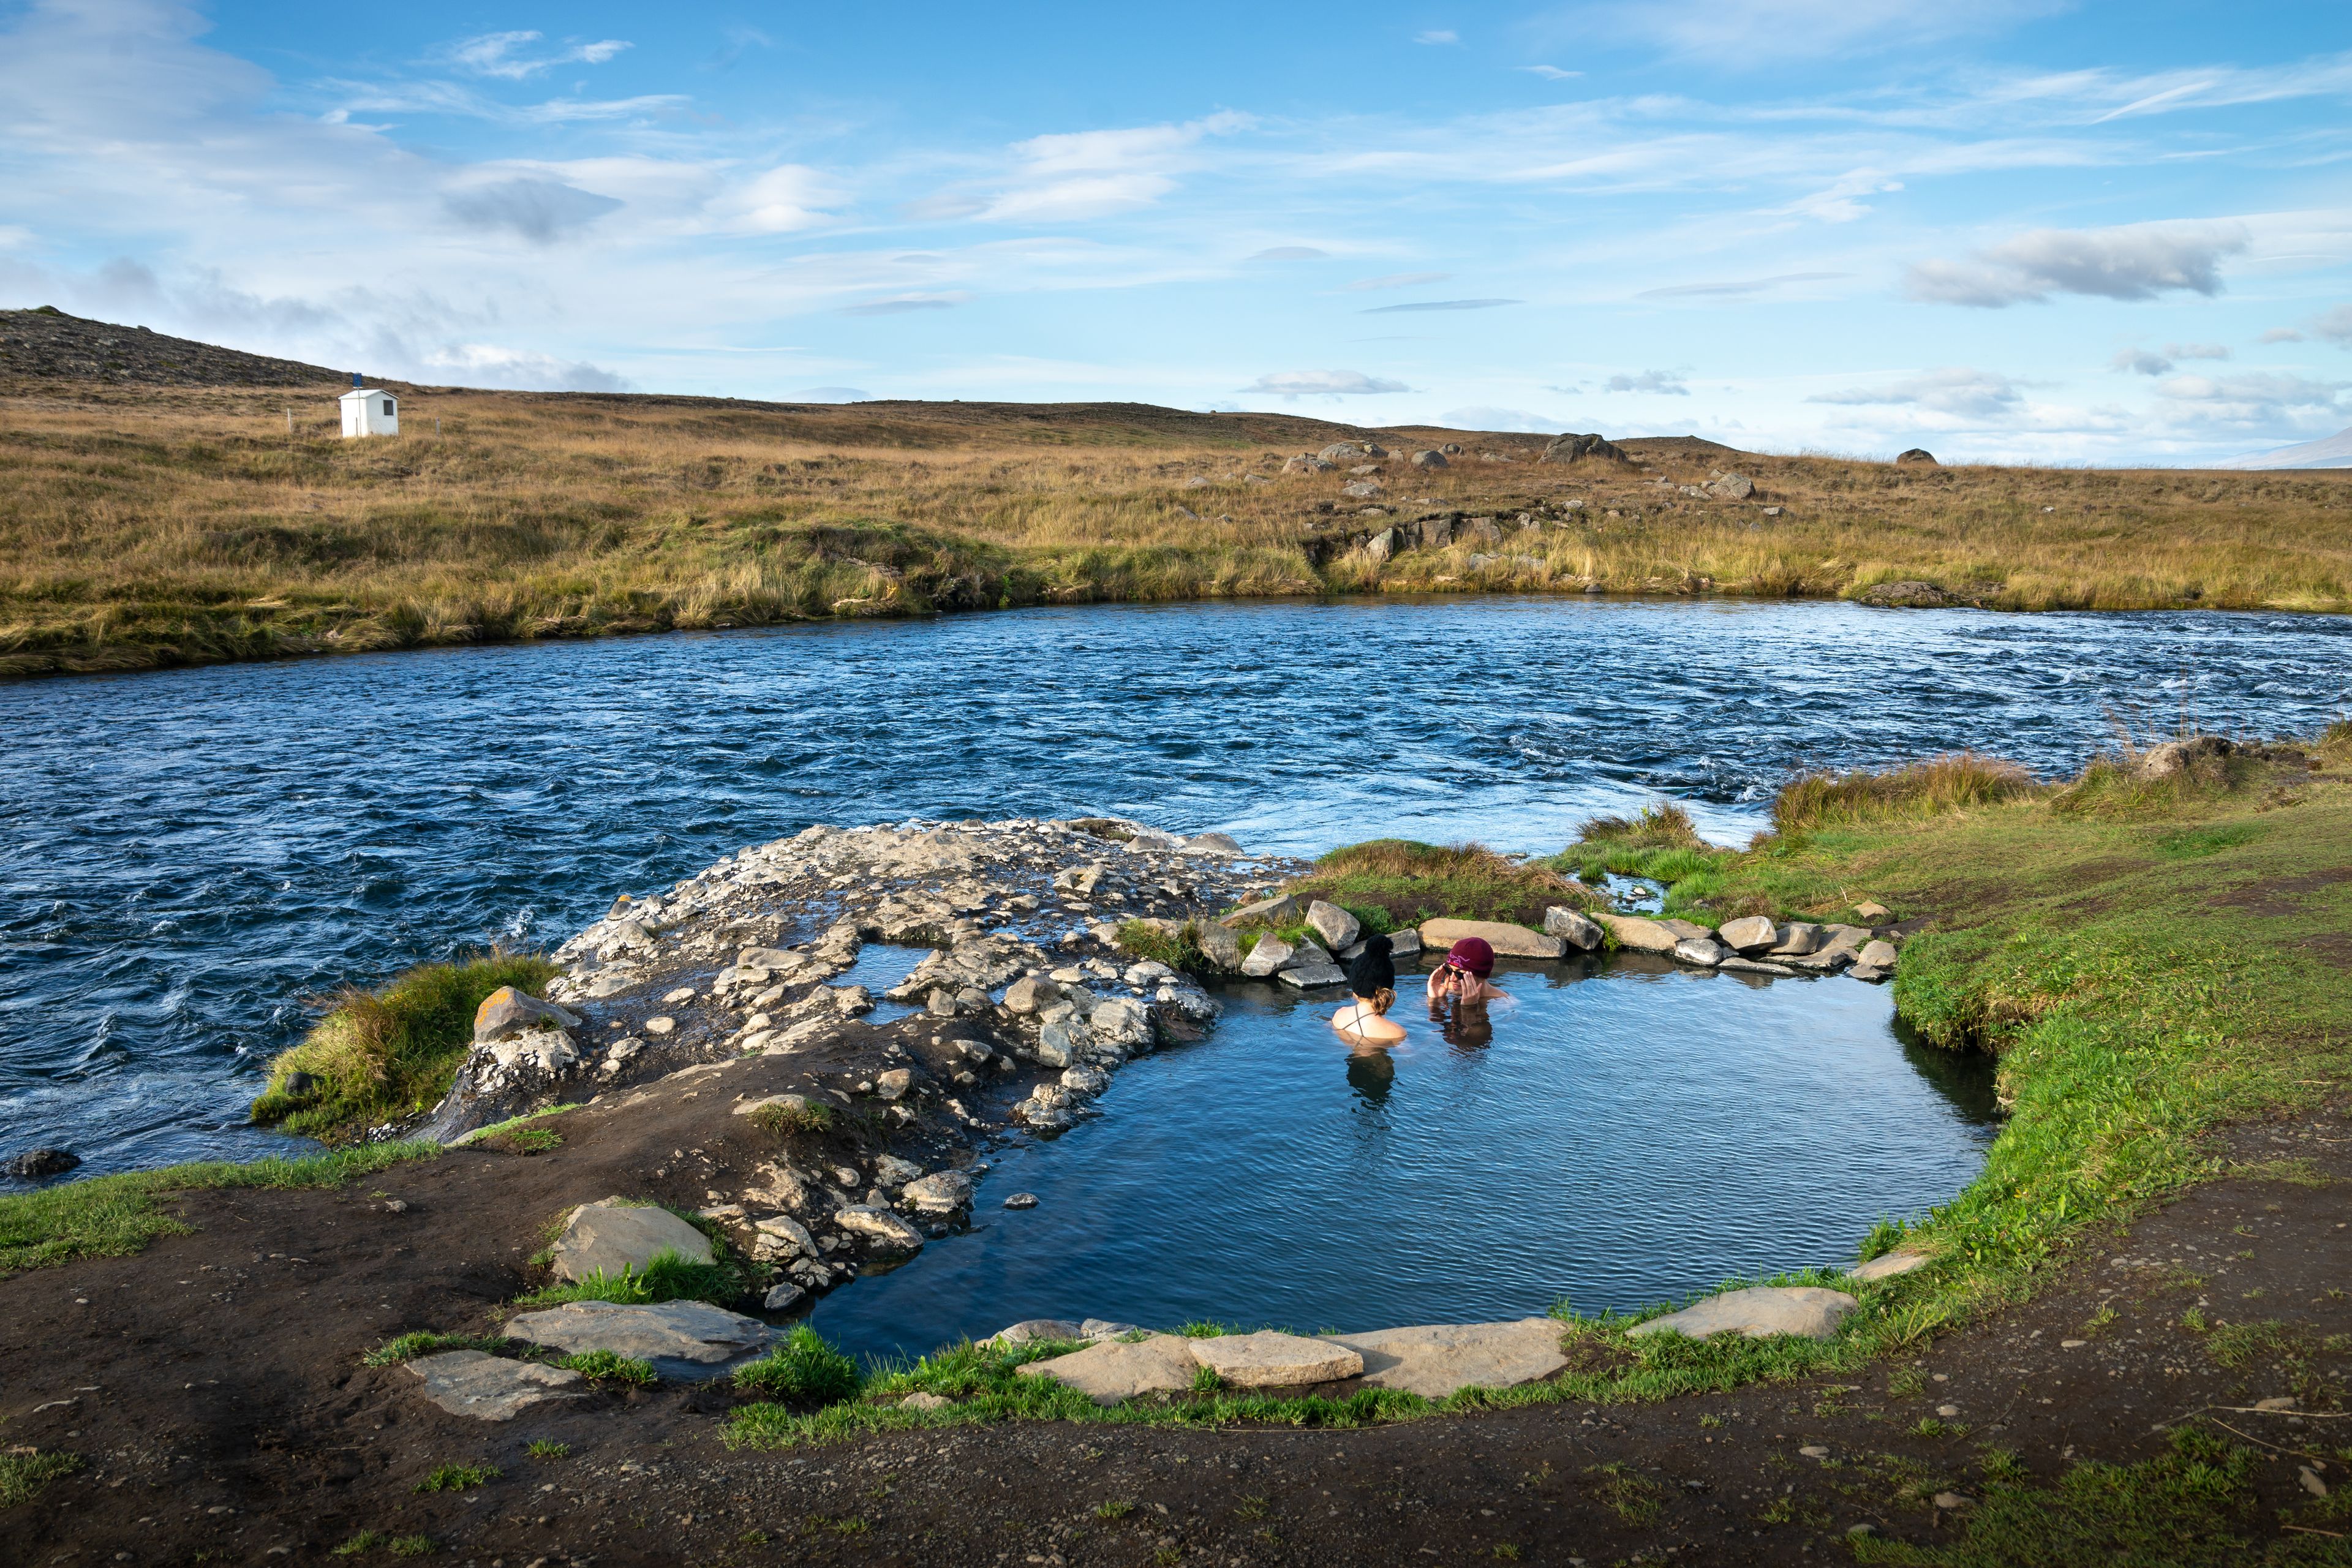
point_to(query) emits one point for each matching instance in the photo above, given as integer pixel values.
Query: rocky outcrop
(1916, 456)
(1578, 448)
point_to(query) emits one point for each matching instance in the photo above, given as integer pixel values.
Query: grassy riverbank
(137, 532)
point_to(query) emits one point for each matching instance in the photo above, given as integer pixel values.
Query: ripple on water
(255, 835)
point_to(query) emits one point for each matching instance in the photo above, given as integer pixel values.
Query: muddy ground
(214, 1387)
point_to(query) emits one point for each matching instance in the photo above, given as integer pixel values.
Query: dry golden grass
(141, 528)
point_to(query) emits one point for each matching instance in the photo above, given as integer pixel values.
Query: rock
(779, 1237)
(1211, 844)
(1749, 935)
(1272, 912)
(1731, 487)
(1314, 976)
(941, 1192)
(1508, 941)
(1429, 459)
(768, 958)
(2173, 758)
(1115, 1370)
(35, 1163)
(1877, 955)
(660, 1024)
(895, 1083)
(1869, 974)
(507, 1011)
(1814, 1451)
(1058, 1043)
(1380, 546)
(1106, 1328)
(491, 1388)
(1086, 1080)
(1341, 452)
(1874, 912)
(610, 1236)
(2278, 1402)
(782, 1297)
(1640, 935)
(893, 1171)
(1758, 1312)
(1334, 925)
(1362, 489)
(1022, 1201)
(1269, 1359)
(681, 1338)
(1220, 946)
(1797, 938)
(1438, 1359)
(1031, 993)
(1951, 1501)
(1755, 966)
(1703, 952)
(881, 1230)
(1910, 595)
(921, 1401)
(1122, 1022)
(787, 1102)
(1918, 457)
(1270, 954)
(1572, 928)
(1576, 448)
(1887, 1264)
(1405, 943)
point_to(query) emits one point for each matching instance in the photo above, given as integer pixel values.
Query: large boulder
(880, 1230)
(1572, 927)
(1917, 457)
(1277, 911)
(1220, 946)
(681, 1338)
(943, 1192)
(1749, 935)
(612, 1235)
(1731, 487)
(1439, 1359)
(1429, 459)
(1703, 953)
(492, 1388)
(1270, 954)
(1759, 1312)
(1640, 935)
(1508, 941)
(508, 1011)
(1115, 1370)
(2173, 758)
(1313, 976)
(1576, 448)
(1334, 925)
(1269, 1359)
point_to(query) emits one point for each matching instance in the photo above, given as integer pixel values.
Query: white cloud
(1730, 34)
(488, 364)
(1067, 201)
(540, 210)
(899, 304)
(1485, 417)
(1289, 253)
(1959, 391)
(832, 395)
(2260, 400)
(2147, 362)
(1551, 73)
(1664, 382)
(1068, 177)
(781, 200)
(2282, 335)
(1438, 35)
(1294, 384)
(500, 55)
(2334, 327)
(1399, 281)
(1737, 287)
(2137, 262)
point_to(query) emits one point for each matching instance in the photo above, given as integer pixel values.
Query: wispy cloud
(1437, 305)
(1736, 289)
(541, 211)
(1658, 381)
(1959, 390)
(1296, 383)
(2139, 262)
(1289, 253)
(1438, 35)
(1550, 73)
(899, 304)
(2149, 362)
(508, 55)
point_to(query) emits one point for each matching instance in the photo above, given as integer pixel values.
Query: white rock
(1114, 1371)
(1314, 976)
(779, 1236)
(1268, 1358)
(1334, 925)
(880, 1229)
(1699, 950)
(1759, 1312)
(1749, 935)
(1887, 1264)
(941, 1192)
(491, 1388)
(610, 1236)
(1435, 1359)
(681, 1338)
(1269, 955)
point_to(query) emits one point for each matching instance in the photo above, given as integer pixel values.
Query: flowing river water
(194, 857)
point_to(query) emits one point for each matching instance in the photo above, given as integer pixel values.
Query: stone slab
(879, 1229)
(1309, 976)
(1030, 1331)
(1572, 927)
(609, 1236)
(1435, 1359)
(1269, 1359)
(492, 1388)
(1759, 1311)
(1749, 935)
(1887, 1264)
(1116, 1370)
(1640, 935)
(681, 1338)
(1508, 941)
(1755, 966)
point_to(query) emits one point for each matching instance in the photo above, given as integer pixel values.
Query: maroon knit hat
(1472, 953)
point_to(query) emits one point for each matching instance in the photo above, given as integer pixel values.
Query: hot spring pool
(1624, 1133)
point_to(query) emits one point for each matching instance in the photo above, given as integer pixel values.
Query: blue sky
(2005, 229)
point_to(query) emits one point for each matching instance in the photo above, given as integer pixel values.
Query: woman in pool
(1372, 978)
(1463, 977)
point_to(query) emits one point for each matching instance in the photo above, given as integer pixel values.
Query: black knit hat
(1372, 972)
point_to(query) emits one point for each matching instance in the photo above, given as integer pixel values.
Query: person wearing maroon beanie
(1463, 977)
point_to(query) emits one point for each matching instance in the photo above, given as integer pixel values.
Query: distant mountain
(2335, 452)
(46, 344)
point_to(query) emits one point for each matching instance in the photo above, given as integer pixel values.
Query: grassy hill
(138, 531)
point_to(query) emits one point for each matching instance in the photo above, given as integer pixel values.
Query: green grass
(610, 1366)
(458, 1477)
(364, 1541)
(425, 1342)
(412, 1546)
(107, 1217)
(1391, 883)
(380, 1055)
(514, 1125)
(786, 1120)
(22, 1476)
(2193, 1507)
(803, 1367)
(547, 1448)
(666, 1277)
(1179, 949)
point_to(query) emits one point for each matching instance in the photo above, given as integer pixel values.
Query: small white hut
(369, 411)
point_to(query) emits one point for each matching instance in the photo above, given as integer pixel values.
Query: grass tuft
(805, 1367)
(610, 1366)
(458, 1477)
(380, 1055)
(1391, 883)
(666, 1277)
(22, 1476)
(1959, 781)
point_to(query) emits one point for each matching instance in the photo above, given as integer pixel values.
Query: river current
(193, 856)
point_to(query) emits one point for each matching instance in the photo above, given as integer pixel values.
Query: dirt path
(213, 1385)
